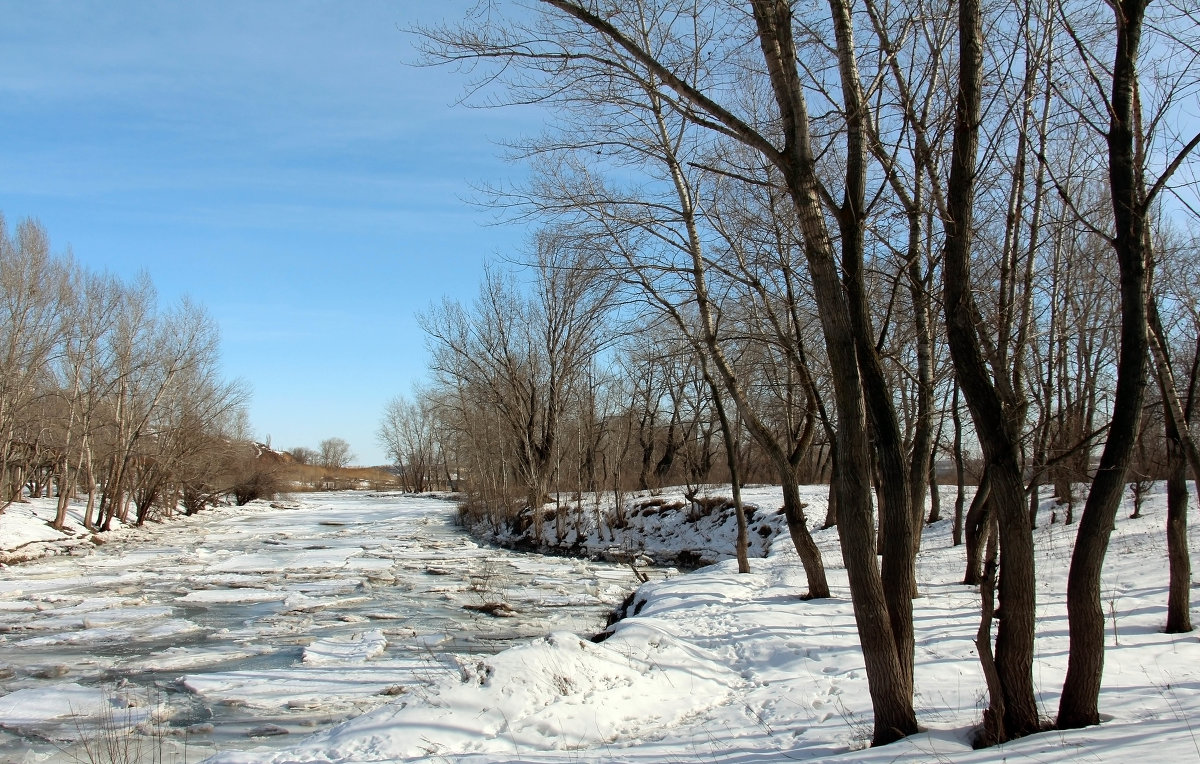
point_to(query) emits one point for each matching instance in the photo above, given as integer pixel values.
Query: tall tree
(863, 405)
(1131, 197)
(1013, 710)
(407, 431)
(521, 356)
(34, 295)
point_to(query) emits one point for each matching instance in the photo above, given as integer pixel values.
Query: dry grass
(310, 477)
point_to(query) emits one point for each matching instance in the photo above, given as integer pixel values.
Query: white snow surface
(724, 667)
(715, 666)
(359, 647)
(26, 707)
(72, 710)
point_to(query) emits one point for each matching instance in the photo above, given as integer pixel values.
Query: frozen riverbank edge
(27, 535)
(663, 529)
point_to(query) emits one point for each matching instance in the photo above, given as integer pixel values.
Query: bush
(258, 483)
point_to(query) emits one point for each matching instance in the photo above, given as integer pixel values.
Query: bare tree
(334, 453)
(860, 392)
(1178, 389)
(1013, 710)
(304, 455)
(1131, 196)
(408, 433)
(34, 292)
(519, 359)
(100, 389)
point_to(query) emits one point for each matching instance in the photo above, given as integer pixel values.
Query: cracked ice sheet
(67, 710)
(139, 632)
(304, 687)
(191, 658)
(39, 705)
(792, 685)
(233, 596)
(307, 560)
(94, 615)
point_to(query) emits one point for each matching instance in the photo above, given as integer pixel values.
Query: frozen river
(257, 627)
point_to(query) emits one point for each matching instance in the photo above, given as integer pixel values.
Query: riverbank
(26, 533)
(711, 666)
(717, 666)
(663, 528)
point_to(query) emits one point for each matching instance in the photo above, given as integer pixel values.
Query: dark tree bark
(1181, 453)
(1179, 587)
(990, 402)
(960, 472)
(1079, 704)
(978, 527)
(935, 494)
(884, 618)
(993, 730)
(731, 460)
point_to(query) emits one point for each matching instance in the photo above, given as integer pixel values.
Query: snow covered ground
(663, 528)
(736, 668)
(718, 666)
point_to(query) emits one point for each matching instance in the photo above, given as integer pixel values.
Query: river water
(258, 627)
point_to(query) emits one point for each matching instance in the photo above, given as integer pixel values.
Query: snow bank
(557, 693)
(26, 532)
(665, 528)
(711, 666)
(28, 535)
(718, 666)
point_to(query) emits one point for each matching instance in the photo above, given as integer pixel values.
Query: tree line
(106, 392)
(854, 242)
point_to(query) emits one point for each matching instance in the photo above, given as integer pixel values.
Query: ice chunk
(355, 648)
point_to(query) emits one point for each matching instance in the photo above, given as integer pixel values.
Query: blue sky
(281, 162)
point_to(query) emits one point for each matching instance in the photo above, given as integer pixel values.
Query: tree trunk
(993, 718)
(990, 401)
(887, 653)
(831, 513)
(735, 482)
(935, 494)
(1179, 615)
(978, 527)
(1079, 704)
(1181, 452)
(960, 473)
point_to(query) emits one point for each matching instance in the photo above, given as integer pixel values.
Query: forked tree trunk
(990, 405)
(885, 633)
